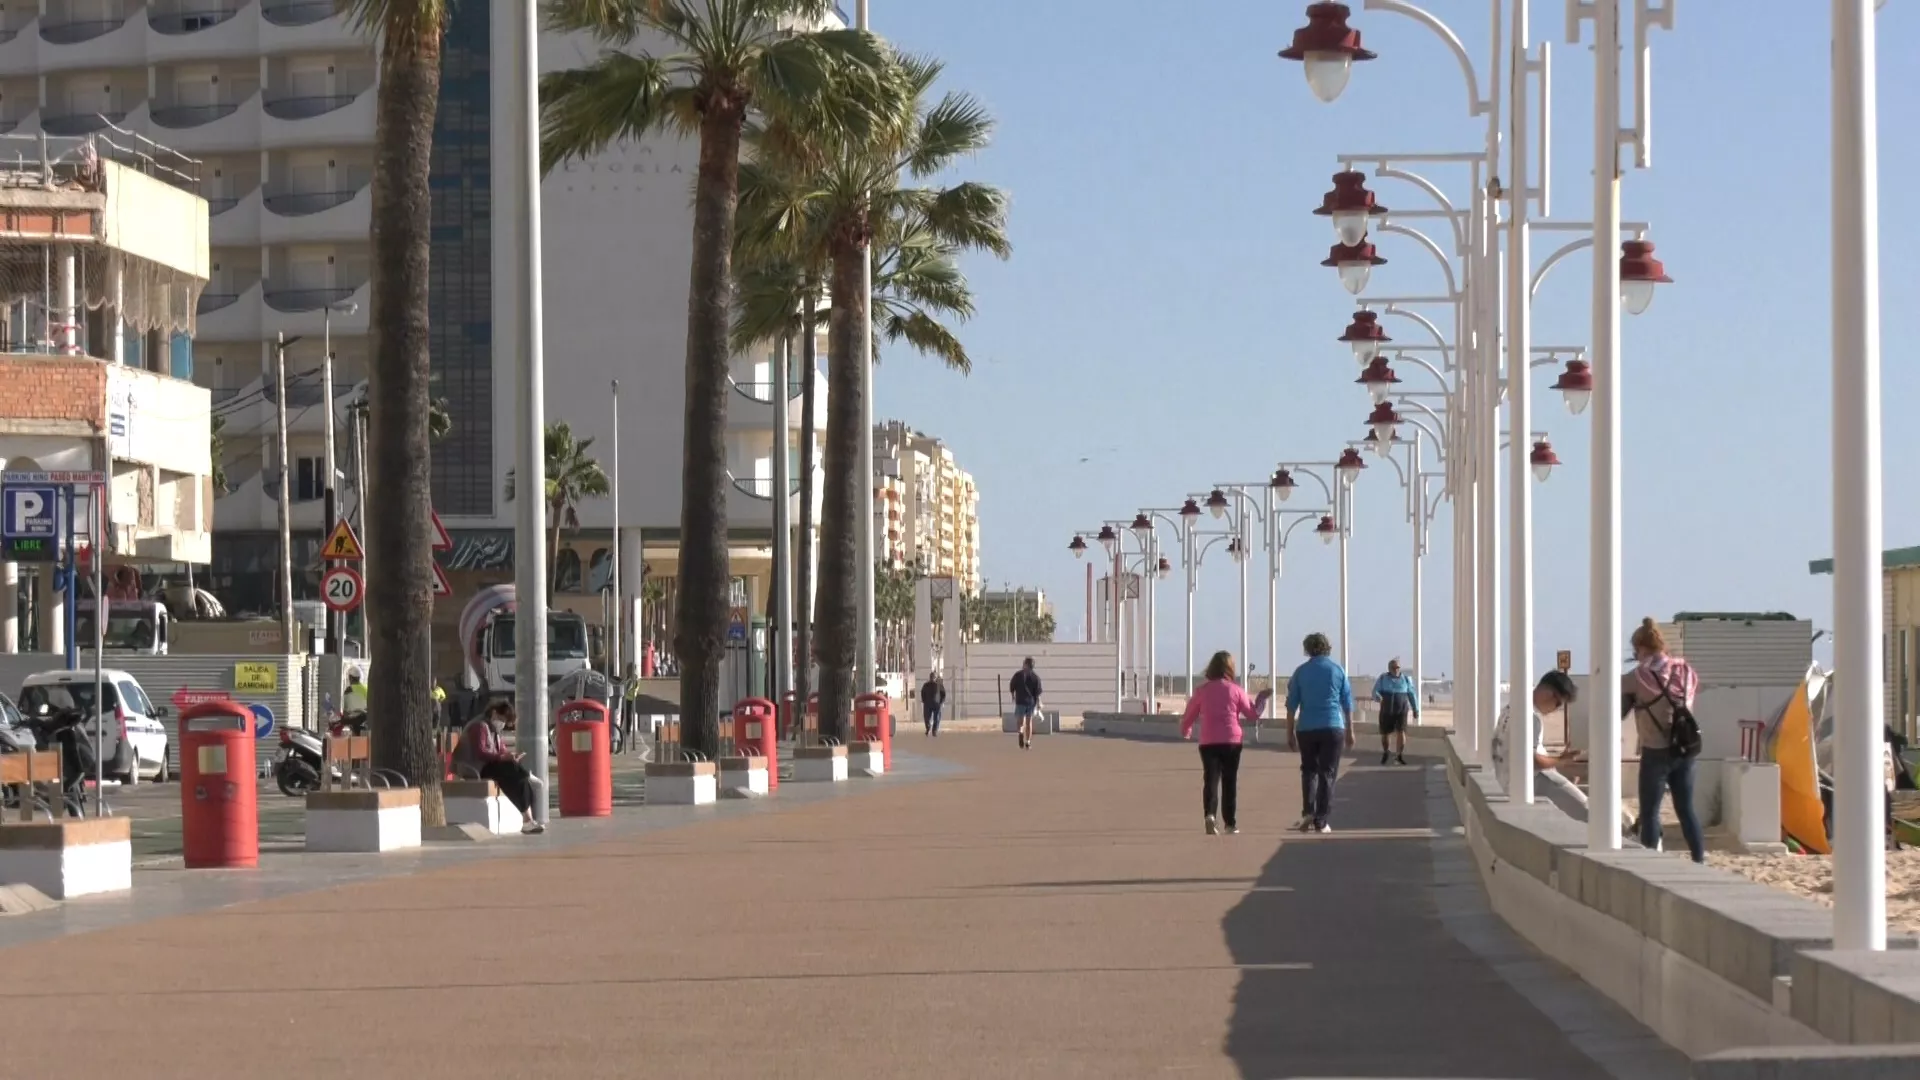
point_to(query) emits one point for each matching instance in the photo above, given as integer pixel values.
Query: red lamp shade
(1189, 510)
(1327, 47)
(1351, 206)
(1379, 378)
(1164, 568)
(1576, 384)
(1217, 503)
(1282, 484)
(1543, 459)
(1109, 539)
(1640, 273)
(1078, 547)
(1142, 526)
(1384, 420)
(1350, 464)
(1355, 263)
(1326, 530)
(1366, 335)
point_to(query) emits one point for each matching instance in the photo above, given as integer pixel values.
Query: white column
(633, 563)
(1153, 629)
(68, 337)
(863, 638)
(1519, 778)
(1415, 667)
(116, 323)
(516, 240)
(1193, 586)
(1246, 557)
(1343, 515)
(781, 634)
(1603, 610)
(1487, 647)
(1859, 857)
(9, 607)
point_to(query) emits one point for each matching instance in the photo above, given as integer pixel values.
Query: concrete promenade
(1055, 913)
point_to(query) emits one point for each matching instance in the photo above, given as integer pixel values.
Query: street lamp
(1355, 263)
(1364, 333)
(1143, 528)
(1576, 385)
(1640, 274)
(1327, 530)
(1351, 206)
(1350, 465)
(1327, 48)
(1164, 569)
(1385, 422)
(1379, 378)
(1110, 540)
(1078, 547)
(1217, 504)
(1189, 510)
(1543, 459)
(1282, 484)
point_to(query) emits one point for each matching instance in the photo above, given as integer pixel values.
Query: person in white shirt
(1554, 692)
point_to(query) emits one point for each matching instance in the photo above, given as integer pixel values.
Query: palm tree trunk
(400, 567)
(553, 551)
(803, 551)
(840, 507)
(701, 619)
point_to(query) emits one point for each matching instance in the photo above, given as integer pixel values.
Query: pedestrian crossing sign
(342, 544)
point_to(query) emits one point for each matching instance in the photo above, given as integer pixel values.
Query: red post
(219, 800)
(586, 760)
(872, 722)
(754, 734)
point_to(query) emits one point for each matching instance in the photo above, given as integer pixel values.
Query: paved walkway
(1056, 913)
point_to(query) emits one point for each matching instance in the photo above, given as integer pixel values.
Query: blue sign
(30, 512)
(262, 720)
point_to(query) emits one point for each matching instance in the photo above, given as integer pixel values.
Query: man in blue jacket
(1319, 710)
(1399, 703)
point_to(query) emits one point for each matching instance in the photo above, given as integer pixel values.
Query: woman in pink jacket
(1218, 707)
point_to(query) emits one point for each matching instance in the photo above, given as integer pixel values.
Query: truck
(487, 634)
(133, 626)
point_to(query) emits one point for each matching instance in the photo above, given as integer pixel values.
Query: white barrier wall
(1076, 677)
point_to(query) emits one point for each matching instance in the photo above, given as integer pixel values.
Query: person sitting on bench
(481, 750)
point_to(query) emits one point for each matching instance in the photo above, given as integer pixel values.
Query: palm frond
(957, 126)
(399, 22)
(970, 215)
(926, 334)
(619, 96)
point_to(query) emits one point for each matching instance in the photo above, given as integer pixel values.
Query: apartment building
(275, 98)
(926, 508)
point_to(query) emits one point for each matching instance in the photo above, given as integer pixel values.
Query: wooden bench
(34, 769)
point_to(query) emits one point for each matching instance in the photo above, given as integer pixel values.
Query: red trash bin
(219, 801)
(871, 723)
(754, 733)
(586, 759)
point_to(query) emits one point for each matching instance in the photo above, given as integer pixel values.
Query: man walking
(1025, 687)
(933, 697)
(1319, 710)
(1399, 699)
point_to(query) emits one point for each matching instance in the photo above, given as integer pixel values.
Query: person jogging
(1319, 712)
(933, 698)
(1218, 708)
(1025, 687)
(1399, 701)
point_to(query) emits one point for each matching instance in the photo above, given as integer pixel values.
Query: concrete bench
(69, 857)
(820, 764)
(682, 783)
(479, 802)
(744, 776)
(866, 759)
(364, 820)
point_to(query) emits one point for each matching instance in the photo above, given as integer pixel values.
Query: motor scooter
(296, 768)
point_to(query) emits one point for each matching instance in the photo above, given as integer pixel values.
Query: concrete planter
(383, 819)
(65, 859)
(820, 765)
(682, 783)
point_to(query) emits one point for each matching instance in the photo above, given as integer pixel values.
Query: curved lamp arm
(1301, 517)
(1317, 478)
(1426, 241)
(1476, 104)
(1457, 218)
(1429, 368)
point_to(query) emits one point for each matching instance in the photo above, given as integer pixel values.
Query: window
(309, 478)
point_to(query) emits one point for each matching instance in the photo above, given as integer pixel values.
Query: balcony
(752, 406)
(290, 309)
(202, 30)
(294, 13)
(202, 130)
(235, 222)
(231, 315)
(287, 25)
(85, 39)
(344, 119)
(294, 298)
(307, 216)
(80, 123)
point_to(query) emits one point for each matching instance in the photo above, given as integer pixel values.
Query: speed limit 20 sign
(342, 588)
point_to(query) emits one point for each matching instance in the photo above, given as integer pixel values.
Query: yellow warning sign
(342, 544)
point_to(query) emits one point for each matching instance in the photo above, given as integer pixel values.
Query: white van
(141, 737)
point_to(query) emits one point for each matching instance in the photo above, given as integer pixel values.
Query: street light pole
(329, 508)
(1519, 778)
(1859, 857)
(863, 378)
(286, 500)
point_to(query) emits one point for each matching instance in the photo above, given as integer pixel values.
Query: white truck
(487, 630)
(136, 626)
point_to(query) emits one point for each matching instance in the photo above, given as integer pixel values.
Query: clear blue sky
(1165, 318)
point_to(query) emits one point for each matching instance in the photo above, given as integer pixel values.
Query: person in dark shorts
(1025, 687)
(1399, 701)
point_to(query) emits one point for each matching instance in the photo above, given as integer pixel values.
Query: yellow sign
(342, 544)
(1564, 660)
(264, 677)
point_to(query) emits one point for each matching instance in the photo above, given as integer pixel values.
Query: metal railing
(75, 31)
(216, 207)
(80, 123)
(210, 301)
(762, 392)
(301, 203)
(49, 158)
(298, 13)
(187, 22)
(187, 116)
(306, 108)
(305, 299)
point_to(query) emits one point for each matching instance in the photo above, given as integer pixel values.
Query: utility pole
(286, 492)
(615, 659)
(865, 678)
(335, 620)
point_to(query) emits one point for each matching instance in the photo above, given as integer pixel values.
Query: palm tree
(728, 58)
(830, 195)
(400, 567)
(572, 475)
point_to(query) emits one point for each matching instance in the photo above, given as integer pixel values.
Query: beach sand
(1811, 876)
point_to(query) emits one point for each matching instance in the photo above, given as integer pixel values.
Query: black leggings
(1220, 764)
(511, 778)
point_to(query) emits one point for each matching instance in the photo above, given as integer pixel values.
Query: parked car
(139, 738)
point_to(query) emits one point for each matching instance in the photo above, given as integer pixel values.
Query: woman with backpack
(1659, 692)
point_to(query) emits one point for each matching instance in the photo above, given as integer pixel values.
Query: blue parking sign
(30, 512)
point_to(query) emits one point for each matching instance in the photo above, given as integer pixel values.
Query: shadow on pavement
(1390, 991)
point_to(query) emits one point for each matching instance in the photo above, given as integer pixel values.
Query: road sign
(440, 585)
(737, 625)
(1564, 660)
(257, 676)
(31, 512)
(437, 537)
(342, 544)
(342, 588)
(184, 698)
(262, 720)
(59, 479)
